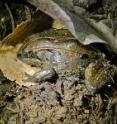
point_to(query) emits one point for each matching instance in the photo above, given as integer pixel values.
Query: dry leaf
(85, 31)
(78, 26)
(13, 68)
(39, 22)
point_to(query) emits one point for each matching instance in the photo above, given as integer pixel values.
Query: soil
(67, 101)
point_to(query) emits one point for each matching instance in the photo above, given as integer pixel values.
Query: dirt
(67, 101)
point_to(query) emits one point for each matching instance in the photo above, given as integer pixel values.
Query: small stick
(11, 17)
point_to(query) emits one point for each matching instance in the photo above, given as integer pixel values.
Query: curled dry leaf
(39, 22)
(12, 68)
(107, 34)
(74, 22)
(85, 31)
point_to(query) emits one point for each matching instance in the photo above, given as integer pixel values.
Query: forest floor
(67, 101)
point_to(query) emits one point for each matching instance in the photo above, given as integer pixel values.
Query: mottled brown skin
(54, 48)
(59, 50)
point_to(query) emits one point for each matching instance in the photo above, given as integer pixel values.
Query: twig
(11, 16)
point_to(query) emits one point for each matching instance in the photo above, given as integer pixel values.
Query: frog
(56, 49)
(56, 53)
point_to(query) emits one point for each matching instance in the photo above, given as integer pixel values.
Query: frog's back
(54, 46)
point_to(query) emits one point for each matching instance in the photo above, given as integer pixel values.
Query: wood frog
(57, 52)
(56, 49)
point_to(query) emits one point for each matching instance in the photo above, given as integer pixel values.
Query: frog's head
(28, 57)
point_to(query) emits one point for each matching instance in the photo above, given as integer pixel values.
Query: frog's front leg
(44, 75)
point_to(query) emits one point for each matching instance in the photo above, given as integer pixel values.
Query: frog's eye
(30, 54)
(19, 54)
(85, 56)
(22, 55)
